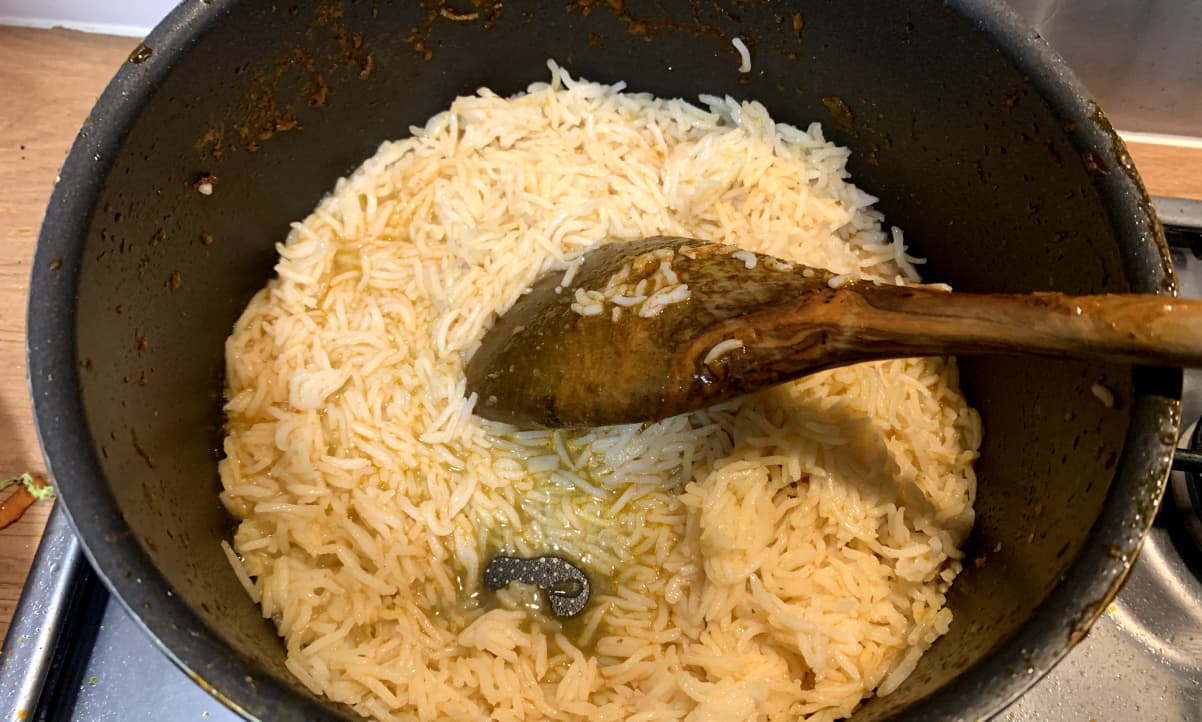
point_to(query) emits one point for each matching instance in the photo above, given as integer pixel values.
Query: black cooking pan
(977, 139)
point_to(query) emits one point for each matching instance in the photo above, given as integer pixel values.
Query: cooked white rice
(744, 55)
(748, 258)
(644, 286)
(782, 556)
(720, 349)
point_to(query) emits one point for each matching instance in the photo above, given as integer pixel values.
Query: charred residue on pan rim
(267, 112)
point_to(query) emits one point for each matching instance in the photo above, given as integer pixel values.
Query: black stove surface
(74, 653)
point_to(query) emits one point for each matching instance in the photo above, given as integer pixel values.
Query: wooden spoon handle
(1155, 330)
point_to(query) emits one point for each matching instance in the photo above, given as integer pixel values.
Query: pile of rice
(779, 557)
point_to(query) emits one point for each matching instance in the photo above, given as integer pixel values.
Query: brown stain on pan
(419, 34)
(798, 24)
(1122, 159)
(649, 28)
(643, 26)
(485, 12)
(205, 182)
(840, 112)
(140, 54)
(140, 450)
(269, 108)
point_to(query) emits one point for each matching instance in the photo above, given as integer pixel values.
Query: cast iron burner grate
(1186, 486)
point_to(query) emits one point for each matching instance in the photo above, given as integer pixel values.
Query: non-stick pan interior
(993, 182)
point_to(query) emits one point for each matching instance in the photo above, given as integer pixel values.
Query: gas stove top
(1142, 659)
(74, 653)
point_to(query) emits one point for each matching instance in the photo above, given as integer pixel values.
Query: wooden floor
(49, 80)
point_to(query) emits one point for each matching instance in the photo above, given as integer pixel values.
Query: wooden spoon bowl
(590, 352)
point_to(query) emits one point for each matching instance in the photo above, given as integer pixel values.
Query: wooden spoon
(752, 321)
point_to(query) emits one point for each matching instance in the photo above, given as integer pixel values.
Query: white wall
(118, 17)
